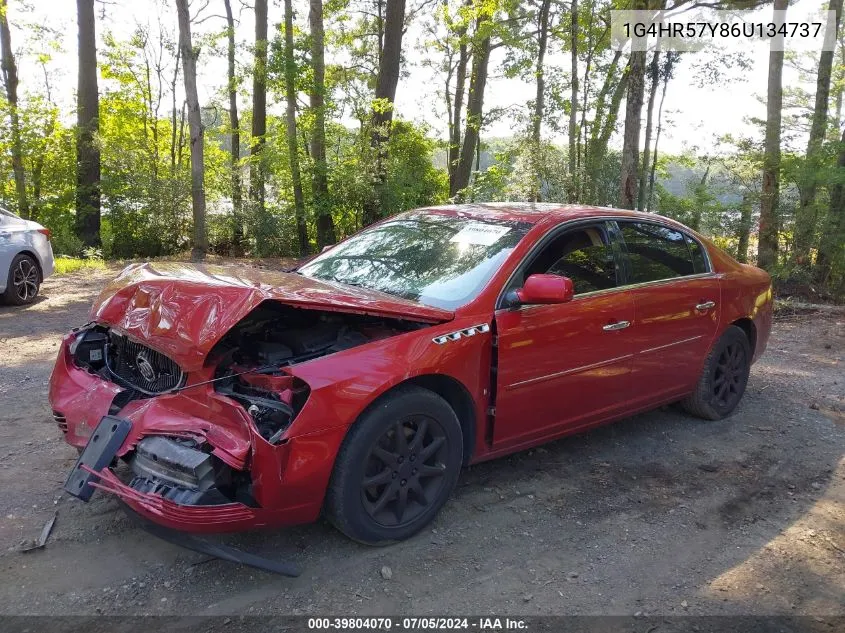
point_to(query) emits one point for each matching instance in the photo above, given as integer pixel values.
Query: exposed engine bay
(249, 366)
(279, 335)
(251, 358)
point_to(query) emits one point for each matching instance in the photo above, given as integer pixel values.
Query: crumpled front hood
(183, 310)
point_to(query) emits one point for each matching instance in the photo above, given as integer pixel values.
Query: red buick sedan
(359, 384)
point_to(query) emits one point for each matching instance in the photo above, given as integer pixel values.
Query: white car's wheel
(23, 282)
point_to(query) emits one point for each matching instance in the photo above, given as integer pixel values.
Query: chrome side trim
(567, 372)
(644, 284)
(659, 347)
(482, 328)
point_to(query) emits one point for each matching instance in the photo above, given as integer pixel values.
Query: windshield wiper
(360, 285)
(349, 283)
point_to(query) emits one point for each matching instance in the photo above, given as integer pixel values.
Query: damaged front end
(211, 447)
(252, 360)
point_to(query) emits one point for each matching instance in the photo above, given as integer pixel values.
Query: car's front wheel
(23, 282)
(396, 468)
(723, 380)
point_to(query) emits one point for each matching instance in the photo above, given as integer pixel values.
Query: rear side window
(699, 261)
(656, 252)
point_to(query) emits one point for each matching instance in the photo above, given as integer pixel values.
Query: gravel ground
(659, 514)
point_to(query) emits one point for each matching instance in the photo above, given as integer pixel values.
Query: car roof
(533, 212)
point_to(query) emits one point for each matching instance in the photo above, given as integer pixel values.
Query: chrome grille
(141, 367)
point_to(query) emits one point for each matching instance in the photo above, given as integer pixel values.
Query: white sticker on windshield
(480, 234)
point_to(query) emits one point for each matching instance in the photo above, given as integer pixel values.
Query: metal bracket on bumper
(101, 449)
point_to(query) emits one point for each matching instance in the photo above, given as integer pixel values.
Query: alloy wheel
(25, 280)
(405, 471)
(729, 375)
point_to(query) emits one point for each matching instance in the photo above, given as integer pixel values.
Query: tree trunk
(631, 137)
(539, 98)
(10, 80)
(234, 122)
(475, 104)
(600, 136)
(837, 116)
(573, 109)
(320, 182)
(833, 237)
(293, 145)
(189, 71)
(806, 215)
(654, 72)
(88, 127)
(584, 84)
(455, 115)
(767, 248)
(539, 71)
(390, 56)
(653, 169)
(257, 170)
(591, 140)
(744, 229)
(700, 191)
(173, 111)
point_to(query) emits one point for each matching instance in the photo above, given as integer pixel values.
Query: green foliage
(518, 168)
(49, 163)
(145, 154)
(412, 179)
(66, 265)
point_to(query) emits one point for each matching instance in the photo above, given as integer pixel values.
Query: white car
(26, 258)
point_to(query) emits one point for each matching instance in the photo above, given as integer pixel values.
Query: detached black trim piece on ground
(218, 550)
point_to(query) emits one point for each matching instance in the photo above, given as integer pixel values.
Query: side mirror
(544, 289)
(326, 247)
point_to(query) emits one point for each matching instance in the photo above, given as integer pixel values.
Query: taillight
(45, 232)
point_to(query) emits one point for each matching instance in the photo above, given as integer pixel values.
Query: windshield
(439, 260)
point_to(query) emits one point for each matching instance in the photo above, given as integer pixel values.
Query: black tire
(377, 467)
(23, 282)
(724, 377)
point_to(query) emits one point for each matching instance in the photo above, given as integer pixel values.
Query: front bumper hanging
(91, 472)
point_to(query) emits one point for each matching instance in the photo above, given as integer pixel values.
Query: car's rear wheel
(23, 282)
(724, 378)
(396, 468)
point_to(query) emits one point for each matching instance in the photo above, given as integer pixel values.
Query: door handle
(619, 325)
(701, 307)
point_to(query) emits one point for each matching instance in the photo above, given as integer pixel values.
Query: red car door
(565, 365)
(676, 299)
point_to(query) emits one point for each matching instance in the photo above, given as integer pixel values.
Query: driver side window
(583, 254)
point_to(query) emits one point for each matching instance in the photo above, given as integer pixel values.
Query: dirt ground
(658, 514)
